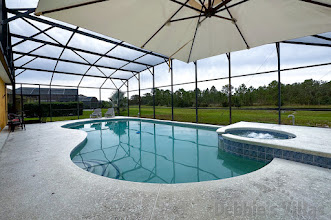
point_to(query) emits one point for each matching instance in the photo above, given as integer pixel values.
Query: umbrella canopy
(190, 30)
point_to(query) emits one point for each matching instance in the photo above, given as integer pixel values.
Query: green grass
(86, 114)
(221, 116)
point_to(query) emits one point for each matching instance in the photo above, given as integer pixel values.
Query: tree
(240, 95)
(118, 100)
(105, 104)
(134, 100)
(306, 93)
(226, 88)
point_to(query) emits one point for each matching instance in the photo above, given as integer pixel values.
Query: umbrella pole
(230, 92)
(128, 96)
(196, 91)
(139, 98)
(118, 101)
(153, 92)
(279, 84)
(77, 101)
(50, 102)
(172, 92)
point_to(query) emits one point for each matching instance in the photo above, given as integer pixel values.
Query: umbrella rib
(185, 5)
(195, 33)
(186, 18)
(203, 20)
(317, 3)
(230, 6)
(235, 23)
(222, 4)
(203, 5)
(218, 16)
(182, 5)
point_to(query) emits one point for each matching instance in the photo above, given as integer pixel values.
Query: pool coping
(208, 126)
(308, 140)
(36, 164)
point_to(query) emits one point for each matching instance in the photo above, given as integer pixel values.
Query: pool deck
(39, 181)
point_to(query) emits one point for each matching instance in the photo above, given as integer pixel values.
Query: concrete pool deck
(39, 181)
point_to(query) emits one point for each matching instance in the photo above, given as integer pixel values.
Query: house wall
(3, 105)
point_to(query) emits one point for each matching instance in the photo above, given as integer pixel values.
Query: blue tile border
(266, 154)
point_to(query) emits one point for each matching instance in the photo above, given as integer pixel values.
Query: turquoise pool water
(140, 151)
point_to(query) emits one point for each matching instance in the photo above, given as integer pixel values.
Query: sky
(257, 59)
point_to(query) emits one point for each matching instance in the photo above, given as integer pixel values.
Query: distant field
(221, 116)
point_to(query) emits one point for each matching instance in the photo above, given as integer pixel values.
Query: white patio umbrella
(190, 30)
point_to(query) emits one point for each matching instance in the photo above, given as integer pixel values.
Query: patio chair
(15, 120)
(96, 114)
(110, 113)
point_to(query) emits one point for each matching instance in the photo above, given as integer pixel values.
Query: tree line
(309, 92)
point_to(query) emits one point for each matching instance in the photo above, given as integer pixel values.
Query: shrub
(58, 109)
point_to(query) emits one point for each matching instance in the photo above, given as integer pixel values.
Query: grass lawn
(221, 116)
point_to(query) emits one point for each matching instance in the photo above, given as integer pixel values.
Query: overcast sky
(254, 60)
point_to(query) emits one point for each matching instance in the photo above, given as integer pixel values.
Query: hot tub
(260, 133)
(263, 142)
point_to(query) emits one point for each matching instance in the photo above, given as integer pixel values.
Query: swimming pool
(156, 152)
